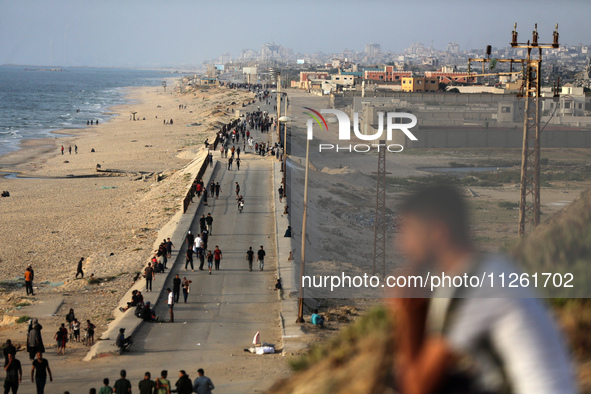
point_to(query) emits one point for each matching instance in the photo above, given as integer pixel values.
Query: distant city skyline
(177, 33)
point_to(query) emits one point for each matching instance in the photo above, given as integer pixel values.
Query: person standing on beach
(39, 373)
(70, 149)
(79, 268)
(150, 276)
(250, 258)
(209, 221)
(261, 255)
(76, 149)
(62, 150)
(186, 285)
(29, 276)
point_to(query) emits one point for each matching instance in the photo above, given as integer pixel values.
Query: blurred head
(147, 376)
(201, 372)
(164, 374)
(182, 373)
(123, 373)
(106, 381)
(39, 355)
(433, 220)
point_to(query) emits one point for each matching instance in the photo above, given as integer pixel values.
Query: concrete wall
(489, 138)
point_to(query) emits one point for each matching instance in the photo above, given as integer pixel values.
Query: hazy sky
(175, 32)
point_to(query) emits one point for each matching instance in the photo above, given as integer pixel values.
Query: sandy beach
(68, 210)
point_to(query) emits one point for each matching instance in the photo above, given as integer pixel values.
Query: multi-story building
(372, 50)
(388, 74)
(420, 84)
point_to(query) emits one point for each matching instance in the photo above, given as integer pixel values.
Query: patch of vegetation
(23, 319)
(376, 322)
(508, 204)
(22, 304)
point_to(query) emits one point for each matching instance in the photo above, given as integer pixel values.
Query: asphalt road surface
(224, 310)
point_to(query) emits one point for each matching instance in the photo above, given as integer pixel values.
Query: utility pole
(529, 202)
(278, 104)
(300, 318)
(379, 242)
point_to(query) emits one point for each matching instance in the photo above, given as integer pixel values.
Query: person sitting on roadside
(136, 300)
(122, 342)
(147, 313)
(317, 319)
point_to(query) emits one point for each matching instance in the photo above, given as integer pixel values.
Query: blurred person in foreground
(469, 340)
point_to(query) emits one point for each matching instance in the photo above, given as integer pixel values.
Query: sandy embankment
(111, 221)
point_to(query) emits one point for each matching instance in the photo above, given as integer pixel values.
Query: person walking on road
(238, 164)
(189, 259)
(250, 258)
(212, 188)
(176, 288)
(261, 255)
(237, 190)
(218, 188)
(39, 373)
(202, 223)
(14, 375)
(203, 384)
(190, 239)
(186, 287)
(209, 221)
(170, 303)
(201, 260)
(230, 160)
(150, 276)
(217, 256)
(280, 191)
(209, 261)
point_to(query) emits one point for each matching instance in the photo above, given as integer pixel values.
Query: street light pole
(279, 104)
(300, 318)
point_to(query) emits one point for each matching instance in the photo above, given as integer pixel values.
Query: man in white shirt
(469, 339)
(170, 303)
(198, 245)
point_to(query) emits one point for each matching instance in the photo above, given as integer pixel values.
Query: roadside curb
(181, 223)
(285, 270)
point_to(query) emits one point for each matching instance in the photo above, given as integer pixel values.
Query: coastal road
(224, 310)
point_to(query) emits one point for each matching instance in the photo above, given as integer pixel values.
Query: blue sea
(33, 102)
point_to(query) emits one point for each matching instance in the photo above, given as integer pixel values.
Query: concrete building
(372, 50)
(420, 84)
(388, 74)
